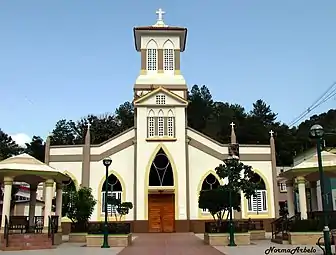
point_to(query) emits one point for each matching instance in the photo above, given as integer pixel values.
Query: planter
(304, 238)
(77, 237)
(114, 240)
(222, 239)
(258, 234)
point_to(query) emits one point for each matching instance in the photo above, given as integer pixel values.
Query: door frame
(172, 194)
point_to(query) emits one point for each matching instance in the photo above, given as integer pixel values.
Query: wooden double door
(161, 213)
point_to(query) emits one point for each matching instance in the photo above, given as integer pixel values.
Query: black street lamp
(316, 132)
(107, 162)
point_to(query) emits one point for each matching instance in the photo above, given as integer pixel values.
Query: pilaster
(7, 196)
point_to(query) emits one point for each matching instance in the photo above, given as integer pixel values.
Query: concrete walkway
(175, 244)
(169, 244)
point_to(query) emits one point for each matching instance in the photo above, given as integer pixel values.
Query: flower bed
(119, 234)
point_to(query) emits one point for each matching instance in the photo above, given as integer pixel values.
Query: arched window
(152, 56)
(161, 172)
(210, 182)
(168, 57)
(258, 203)
(160, 124)
(114, 190)
(170, 124)
(151, 124)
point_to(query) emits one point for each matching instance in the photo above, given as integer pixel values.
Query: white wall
(123, 167)
(145, 152)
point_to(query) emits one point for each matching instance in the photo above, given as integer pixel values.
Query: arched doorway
(114, 190)
(161, 197)
(258, 203)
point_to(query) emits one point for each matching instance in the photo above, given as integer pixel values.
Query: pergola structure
(305, 175)
(25, 168)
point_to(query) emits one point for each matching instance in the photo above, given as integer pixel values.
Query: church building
(161, 164)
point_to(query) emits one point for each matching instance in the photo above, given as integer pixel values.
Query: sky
(66, 59)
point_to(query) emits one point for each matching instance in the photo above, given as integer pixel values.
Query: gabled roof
(158, 90)
(25, 162)
(26, 168)
(328, 159)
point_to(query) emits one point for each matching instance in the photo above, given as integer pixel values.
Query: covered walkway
(304, 178)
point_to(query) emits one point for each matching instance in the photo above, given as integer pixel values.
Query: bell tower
(160, 47)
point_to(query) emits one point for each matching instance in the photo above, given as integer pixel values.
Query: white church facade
(160, 165)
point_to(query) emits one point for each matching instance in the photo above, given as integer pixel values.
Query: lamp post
(107, 162)
(316, 132)
(231, 229)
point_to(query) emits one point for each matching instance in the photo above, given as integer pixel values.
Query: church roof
(160, 89)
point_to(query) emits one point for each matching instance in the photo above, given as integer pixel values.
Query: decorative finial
(159, 21)
(271, 133)
(89, 125)
(233, 134)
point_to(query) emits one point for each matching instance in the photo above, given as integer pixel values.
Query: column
(59, 205)
(49, 187)
(313, 196)
(290, 198)
(32, 204)
(8, 181)
(302, 197)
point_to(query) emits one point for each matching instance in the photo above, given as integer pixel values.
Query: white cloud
(21, 139)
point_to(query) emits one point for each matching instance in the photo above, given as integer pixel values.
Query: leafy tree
(122, 208)
(125, 116)
(200, 107)
(241, 179)
(36, 148)
(78, 205)
(263, 113)
(8, 147)
(216, 201)
(64, 133)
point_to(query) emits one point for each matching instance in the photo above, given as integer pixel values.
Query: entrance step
(18, 242)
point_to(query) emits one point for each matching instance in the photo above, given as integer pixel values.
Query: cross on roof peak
(271, 133)
(89, 125)
(160, 13)
(232, 125)
(159, 21)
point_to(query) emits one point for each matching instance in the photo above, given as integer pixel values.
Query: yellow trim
(177, 72)
(270, 205)
(143, 72)
(160, 89)
(175, 187)
(202, 215)
(158, 139)
(99, 202)
(73, 178)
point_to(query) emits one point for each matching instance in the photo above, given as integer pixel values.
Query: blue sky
(66, 59)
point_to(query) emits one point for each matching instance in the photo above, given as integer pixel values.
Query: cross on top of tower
(159, 21)
(271, 133)
(89, 125)
(160, 13)
(232, 125)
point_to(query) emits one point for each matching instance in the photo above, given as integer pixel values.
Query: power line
(326, 96)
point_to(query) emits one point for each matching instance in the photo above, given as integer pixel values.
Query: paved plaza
(173, 244)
